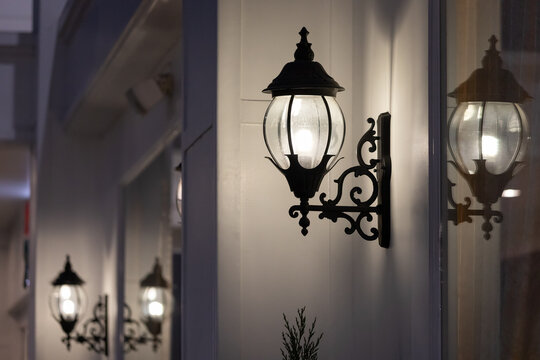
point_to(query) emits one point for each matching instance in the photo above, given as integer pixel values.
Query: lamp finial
(303, 48)
(492, 60)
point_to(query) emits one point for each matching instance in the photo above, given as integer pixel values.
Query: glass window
(493, 141)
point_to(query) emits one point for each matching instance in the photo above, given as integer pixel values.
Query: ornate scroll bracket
(378, 172)
(95, 332)
(462, 212)
(134, 335)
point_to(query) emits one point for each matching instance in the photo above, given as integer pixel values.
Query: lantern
(488, 134)
(304, 130)
(153, 301)
(67, 301)
(304, 127)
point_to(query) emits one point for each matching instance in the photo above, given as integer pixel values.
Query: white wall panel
(16, 15)
(281, 269)
(269, 36)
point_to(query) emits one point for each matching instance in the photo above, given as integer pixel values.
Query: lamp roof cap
(68, 276)
(491, 82)
(303, 76)
(155, 278)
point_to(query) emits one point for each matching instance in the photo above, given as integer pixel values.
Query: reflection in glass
(496, 132)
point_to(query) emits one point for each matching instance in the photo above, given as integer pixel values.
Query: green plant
(299, 345)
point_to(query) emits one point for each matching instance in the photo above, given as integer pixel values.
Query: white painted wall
(370, 302)
(392, 73)
(16, 15)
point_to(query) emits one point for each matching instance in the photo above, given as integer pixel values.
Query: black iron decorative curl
(380, 186)
(134, 335)
(462, 212)
(95, 330)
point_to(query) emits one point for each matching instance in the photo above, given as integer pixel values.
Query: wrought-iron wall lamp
(304, 130)
(487, 137)
(68, 302)
(153, 304)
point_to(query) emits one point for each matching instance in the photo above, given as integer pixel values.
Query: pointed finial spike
(303, 48)
(492, 60)
(303, 34)
(493, 42)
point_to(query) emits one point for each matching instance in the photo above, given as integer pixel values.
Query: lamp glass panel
(502, 136)
(492, 131)
(309, 129)
(67, 302)
(275, 130)
(338, 129)
(153, 303)
(525, 133)
(463, 135)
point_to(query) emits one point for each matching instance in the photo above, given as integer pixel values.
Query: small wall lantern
(67, 302)
(153, 304)
(304, 130)
(487, 137)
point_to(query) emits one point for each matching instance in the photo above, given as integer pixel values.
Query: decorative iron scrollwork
(134, 335)
(95, 330)
(462, 212)
(380, 185)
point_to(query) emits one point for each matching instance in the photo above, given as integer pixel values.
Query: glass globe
(67, 302)
(153, 302)
(496, 132)
(309, 126)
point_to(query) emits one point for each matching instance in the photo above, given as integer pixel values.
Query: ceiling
(14, 183)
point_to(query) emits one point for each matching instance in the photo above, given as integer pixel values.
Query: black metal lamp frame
(304, 76)
(489, 83)
(95, 333)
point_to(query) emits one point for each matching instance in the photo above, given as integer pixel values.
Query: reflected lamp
(487, 136)
(153, 301)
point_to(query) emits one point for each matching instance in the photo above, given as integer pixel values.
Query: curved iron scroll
(380, 185)
(462, 212)
(134, 335)
(95, 330)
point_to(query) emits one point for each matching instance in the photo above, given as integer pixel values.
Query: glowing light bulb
(65, 292)
(68, 307)
(155, 308)
(303, 141)
(490, 146)
(152, 294)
